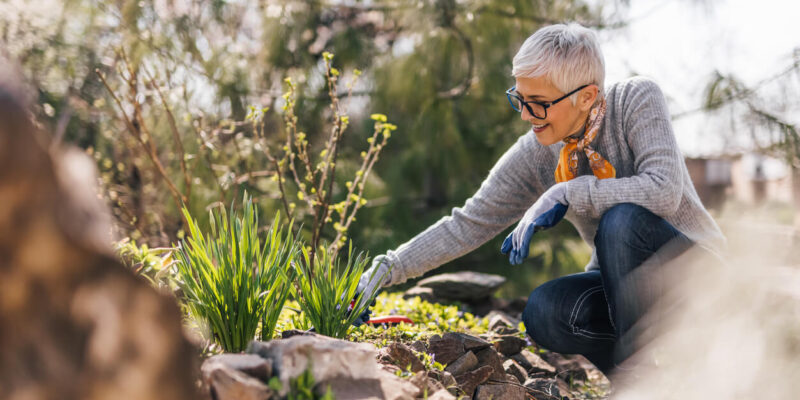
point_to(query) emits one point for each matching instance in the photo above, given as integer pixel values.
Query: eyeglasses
(535, 108)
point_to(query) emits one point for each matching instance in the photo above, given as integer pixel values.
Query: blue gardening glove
(374, 278)
(548, 210)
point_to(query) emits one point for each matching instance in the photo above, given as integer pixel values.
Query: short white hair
(567, 54)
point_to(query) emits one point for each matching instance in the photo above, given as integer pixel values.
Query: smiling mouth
(539, 127)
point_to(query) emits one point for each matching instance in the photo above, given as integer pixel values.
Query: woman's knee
(540, 315)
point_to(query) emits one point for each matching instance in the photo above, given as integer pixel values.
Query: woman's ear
(587, 97)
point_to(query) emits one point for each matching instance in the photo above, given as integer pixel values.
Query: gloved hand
(374, 278)
(548, 210)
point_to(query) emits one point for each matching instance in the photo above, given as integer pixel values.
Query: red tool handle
(391, 319)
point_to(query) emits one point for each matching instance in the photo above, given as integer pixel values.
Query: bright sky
(680, 43)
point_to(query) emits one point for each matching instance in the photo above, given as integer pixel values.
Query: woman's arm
(657, 184)
(511, 187)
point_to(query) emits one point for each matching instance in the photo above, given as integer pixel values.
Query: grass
(231, 280)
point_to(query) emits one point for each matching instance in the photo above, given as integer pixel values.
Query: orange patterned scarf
(568, 159)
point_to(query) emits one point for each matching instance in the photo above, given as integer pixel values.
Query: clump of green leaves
(231, 280)
(146, 262)
(325, 289)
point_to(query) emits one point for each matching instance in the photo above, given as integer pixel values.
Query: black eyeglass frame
(545, 106)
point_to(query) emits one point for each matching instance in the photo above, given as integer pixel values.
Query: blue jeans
(595, 313)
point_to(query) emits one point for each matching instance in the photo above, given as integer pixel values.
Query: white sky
(680, 43)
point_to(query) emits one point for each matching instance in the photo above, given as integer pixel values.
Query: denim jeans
(595, 313)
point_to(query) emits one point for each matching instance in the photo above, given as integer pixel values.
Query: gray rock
(463, 286)
(426, 383)
(489, 357)
(470, 342)
(543, 388)
(250, 364)
(513, 368)
(349, 368)
(296, 332)
(505, 391)
(442, 395)
(465, 363)
(569, 368)
(498, 319)
(447, 379)
(226, 383)
(402, 356)
(533, 364)
(468, 381)
(508, 345)
(445, 349)
(419, 346)
(424, 293)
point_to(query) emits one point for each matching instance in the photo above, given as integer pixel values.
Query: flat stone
(424, 294)
(534, 364)
(349, 368)
(401, 355)
(508, 345)
(470, 342)
(296, 332)
(505, 330)
(445, 349)
(250, 364)
(468, 381)
(498, 319)
(465, 363)
(513, 368)
(512, 379)
(441, 395)
(447, 379)
(463, 286)
(419, 346)
(543, 388)
(227, 383)
(505, 391)
(570, 368)
(490, 358)
(426, 384)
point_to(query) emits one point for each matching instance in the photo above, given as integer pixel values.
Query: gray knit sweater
(636, 137)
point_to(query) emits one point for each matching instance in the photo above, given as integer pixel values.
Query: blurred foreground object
(727, 331)
(74, 323)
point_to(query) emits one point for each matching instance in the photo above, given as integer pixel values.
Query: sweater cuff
(396, 272)
(578, 194)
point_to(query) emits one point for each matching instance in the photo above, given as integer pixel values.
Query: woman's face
(563, 118)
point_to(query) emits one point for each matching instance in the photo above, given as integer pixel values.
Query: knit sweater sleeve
(646, 127)
(510, 188)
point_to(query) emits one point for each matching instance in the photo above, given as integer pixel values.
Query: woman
(609, 162)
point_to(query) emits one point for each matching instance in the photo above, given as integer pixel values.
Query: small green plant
(151, 264)
(231, 280)
(325, 289)
(302, 388)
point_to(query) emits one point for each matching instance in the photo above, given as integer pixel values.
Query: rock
(468, 381)
(446, 378)
(419, 346)
(424, 294)
(426, 384)
(489, 357)
(401, 355)
(462, 286)
(465, 363)
(296, 332)
(533, 364)
(569, 368)
(511, 379)
(498, 319)
(74, 321)
(511, 367)
(442, 395)
(470, 342)
(508, 345)
(372, 389)
(445, 349)
(249, 364)
(226, 383)
(505, 391)
(350, 369)
(543, 388)
(505, 330)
